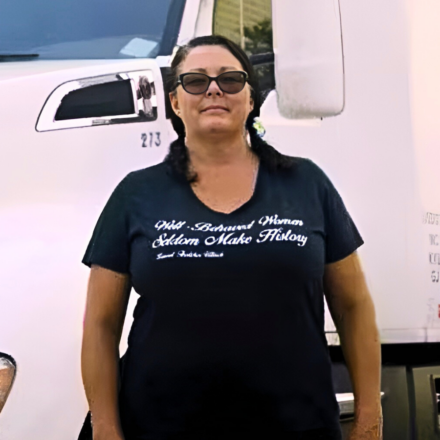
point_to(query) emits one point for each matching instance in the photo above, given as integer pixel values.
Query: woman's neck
(217, 152)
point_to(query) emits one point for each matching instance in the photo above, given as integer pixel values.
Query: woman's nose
(214, 89)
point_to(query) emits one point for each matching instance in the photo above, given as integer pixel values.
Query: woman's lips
(214, 109)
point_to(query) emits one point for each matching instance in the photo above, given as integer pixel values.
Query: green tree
(259, 37)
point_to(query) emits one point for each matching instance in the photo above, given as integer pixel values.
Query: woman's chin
(218, 127)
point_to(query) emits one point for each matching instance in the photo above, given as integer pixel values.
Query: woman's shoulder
(153, 176)
(154, 173)
(143, 182)
(304, 167)
(308, 174)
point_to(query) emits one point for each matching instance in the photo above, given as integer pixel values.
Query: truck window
(249, 24)
(80, 29)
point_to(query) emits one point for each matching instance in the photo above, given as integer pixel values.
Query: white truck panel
(382, 153)
(424, 41)
(371, 154)
(53, 187)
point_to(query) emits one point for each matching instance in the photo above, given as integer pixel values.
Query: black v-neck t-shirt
(228, 331)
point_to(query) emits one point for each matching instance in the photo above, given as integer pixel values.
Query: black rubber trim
(166, 71)
(18, 56)
(411, 403)
(9, 358)
(262, 58)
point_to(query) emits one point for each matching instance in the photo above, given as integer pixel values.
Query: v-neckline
(241, 207)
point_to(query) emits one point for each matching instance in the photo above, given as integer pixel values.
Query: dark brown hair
(178, 156)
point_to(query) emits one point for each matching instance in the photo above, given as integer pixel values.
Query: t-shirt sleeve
(109, 246)
(342, 235)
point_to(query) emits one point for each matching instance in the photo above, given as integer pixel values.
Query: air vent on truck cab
(108, 99)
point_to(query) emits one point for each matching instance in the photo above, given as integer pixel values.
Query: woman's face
(196, 111)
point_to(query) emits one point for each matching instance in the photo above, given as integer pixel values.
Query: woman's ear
(174, 103)
(251, 102)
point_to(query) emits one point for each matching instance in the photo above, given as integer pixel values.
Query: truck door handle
(118, 98)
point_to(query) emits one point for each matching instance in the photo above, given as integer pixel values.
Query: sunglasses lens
(229, 82)
(195, 83)
(232, 82)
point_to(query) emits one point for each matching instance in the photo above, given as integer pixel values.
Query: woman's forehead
(208, 58)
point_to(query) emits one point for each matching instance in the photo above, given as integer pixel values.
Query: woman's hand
(353, 313)
(107, 299)
(107, 434)
(367, 429)
(107, 437)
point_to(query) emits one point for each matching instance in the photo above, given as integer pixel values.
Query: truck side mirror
(8, 368)
(309, 61)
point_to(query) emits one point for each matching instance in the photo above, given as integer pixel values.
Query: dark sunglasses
(198, 83)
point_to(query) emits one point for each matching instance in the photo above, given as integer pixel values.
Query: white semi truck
(353, 85)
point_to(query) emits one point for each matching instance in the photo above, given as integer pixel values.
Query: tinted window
(81, 29)
(108, 99)
(246, 22)
(249, 24)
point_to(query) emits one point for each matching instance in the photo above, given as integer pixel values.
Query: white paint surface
(309, 69)
(381, 153)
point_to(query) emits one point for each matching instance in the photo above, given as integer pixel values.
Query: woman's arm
(107, 299)
(353, 313)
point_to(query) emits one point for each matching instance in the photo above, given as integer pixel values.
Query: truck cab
(350, 85)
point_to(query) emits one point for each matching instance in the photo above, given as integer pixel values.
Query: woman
(229, 246)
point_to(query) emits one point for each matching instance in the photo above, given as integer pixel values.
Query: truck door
(82, 104)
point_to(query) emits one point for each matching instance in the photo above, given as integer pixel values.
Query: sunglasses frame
(212, 78)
